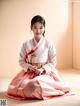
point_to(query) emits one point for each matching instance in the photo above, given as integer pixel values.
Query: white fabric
(46, 51)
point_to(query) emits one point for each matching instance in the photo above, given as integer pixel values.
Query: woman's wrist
(42, 70)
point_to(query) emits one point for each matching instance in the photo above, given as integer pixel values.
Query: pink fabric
(29, 85)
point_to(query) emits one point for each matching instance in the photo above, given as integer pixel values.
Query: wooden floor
(71, 76)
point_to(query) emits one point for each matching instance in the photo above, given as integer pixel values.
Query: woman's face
(38, 30)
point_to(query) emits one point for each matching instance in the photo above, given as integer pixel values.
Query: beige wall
(15, 17)
(76, 35)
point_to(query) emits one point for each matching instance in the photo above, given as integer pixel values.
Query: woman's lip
(37, 33)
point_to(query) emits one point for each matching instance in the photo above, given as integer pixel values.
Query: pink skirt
(29, 86)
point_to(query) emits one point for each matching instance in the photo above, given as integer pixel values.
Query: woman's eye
(38, 28)
(41, 28)
(35, 27)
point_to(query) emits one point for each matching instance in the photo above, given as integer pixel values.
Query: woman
(39, 78)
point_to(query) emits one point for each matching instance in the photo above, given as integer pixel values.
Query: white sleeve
(22, 58)
(52, 59)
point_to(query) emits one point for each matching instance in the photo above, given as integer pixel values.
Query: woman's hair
(39, 19)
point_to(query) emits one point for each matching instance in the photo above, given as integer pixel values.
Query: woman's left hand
(39, 71)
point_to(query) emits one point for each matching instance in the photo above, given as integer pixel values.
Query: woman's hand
(41, 71)
(35, 70)
(32, 68)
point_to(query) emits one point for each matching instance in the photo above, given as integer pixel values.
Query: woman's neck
(37, 39)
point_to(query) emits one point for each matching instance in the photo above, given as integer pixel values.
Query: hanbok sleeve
(50, 66)
(22, 58)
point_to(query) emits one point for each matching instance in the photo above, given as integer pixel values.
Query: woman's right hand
(32, 68)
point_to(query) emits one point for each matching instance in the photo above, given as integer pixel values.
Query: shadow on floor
(15, 102)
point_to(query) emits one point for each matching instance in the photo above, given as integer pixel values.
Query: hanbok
(29, 85)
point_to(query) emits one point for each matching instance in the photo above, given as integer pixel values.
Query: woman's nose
(38, 30)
